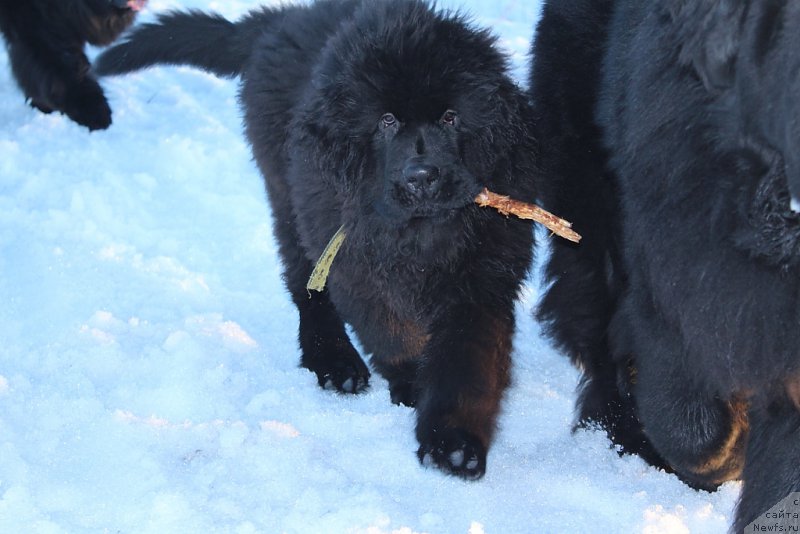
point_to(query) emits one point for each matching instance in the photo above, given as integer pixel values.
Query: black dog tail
(204, 40)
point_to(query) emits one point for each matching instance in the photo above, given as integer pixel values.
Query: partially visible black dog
(386, 118)
(671, 135)
(45, 40)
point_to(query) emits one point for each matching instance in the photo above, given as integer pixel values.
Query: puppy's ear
(710, 33)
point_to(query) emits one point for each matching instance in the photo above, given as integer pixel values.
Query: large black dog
(45, 40)
(386, 118)
(671, 135)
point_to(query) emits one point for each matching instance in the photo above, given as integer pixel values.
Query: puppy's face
(419, 189)
(418, 165)
(412, 112)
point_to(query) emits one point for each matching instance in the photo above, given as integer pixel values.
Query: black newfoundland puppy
(45, 40)
(671, 135)
(385, 118)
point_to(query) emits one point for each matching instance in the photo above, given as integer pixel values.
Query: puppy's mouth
(416, 216)
(441, 223)
(399, 207)
(435, 213)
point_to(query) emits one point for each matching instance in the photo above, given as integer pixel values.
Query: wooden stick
(509, 206)
(505, 205)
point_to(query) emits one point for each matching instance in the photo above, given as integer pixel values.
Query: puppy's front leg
(462, 378)
(326, 349)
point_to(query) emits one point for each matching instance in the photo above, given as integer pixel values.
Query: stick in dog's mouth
(523, 210)
(504, 204)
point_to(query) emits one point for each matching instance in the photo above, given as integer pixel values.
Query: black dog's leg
(84, 100)
(606, 400)
(59, 79)
(701, 436)
(402, 378)
(461, 381)
(326, 349)
(772, 465)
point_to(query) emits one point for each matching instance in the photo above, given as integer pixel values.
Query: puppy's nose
(421, 179)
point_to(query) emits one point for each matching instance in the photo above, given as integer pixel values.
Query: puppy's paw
(456, 452)
(86, 104)
(344, 379)
(41, 106)
(340, 369)
(403, 393)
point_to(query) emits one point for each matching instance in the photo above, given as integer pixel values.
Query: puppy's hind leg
(402, 378)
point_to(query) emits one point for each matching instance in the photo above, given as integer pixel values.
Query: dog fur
(671, 135)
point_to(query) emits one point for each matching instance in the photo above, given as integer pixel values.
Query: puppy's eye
(388, 120)
(449, 118)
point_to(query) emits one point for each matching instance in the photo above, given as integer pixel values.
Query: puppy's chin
(434, 215)
(423, 234)
(399, 214)
(431, 239)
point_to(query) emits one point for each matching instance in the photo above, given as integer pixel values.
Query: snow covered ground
(148, 362)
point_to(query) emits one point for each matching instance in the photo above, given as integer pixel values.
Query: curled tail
(207, 41)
